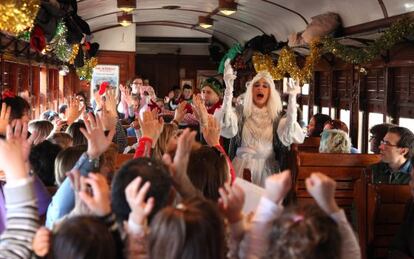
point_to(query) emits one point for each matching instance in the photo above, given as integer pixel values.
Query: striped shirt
(22, 220)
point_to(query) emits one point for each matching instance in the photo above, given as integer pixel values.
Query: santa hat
(102, 88)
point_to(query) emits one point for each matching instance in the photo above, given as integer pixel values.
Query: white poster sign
(105, 73)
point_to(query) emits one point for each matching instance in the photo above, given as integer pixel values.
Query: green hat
(214, 84)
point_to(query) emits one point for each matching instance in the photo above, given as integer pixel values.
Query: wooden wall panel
(125, 61)
(163, 70)
(342, 88)
(374, 89)
(322, 88)
(403, 91)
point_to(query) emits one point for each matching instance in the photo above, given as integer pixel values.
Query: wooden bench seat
(121, 159)
(351, 173)
(385, 212)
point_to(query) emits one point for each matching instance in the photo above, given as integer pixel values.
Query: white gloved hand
(293, 87)
(229, 76)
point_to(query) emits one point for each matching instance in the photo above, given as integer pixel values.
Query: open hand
(4, 118)
(135, 194)
(98, 143)
(99, 201)
(231, 202)
(151, 125)
(211, 133)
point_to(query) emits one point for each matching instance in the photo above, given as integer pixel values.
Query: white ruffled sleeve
(226, 115)
(289, 130)
(228, 121)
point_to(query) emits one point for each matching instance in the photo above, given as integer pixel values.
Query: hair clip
(297, 218)
(181, 207)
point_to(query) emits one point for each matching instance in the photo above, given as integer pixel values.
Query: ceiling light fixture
(127, 5)
(125, 19)
(205, 22)
(227, 7)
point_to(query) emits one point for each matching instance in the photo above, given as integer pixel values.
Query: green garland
(60, 47)
(231, 54)
(389, 38)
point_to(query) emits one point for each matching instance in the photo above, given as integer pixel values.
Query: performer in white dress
(260, 137)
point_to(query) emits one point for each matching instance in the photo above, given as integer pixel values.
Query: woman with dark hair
(74, 131)
(208, 171)
(13, 107)
(317, 123)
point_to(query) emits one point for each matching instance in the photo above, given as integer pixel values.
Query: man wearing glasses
(396, 150)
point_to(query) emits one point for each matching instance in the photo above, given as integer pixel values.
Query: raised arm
(289, 130)
(226, 115)
(322, 189)
(21, 204)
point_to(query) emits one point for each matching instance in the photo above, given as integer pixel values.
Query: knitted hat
(214, 84)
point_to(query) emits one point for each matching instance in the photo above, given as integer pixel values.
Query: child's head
(42, 127)
(304, 232)
(42, 161)
(195, 229)
(63, 139)
(149, 170)
(77, 136)
(208, 171)
(66, 160)
(108, 162)
(166, 140)
(20, 108)
(83, 237)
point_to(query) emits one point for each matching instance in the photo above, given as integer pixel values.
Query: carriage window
(305, 114)
(333, 110)
(315, 109)
(373, 119)
(345, 116)
(360, 131)
(43, 89)
(60, 94)
(407, 123)
(325, 110)
(305, 89)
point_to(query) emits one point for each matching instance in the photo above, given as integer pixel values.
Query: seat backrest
(345, 169)
(350, 171)
(121, 159)
(131, 140)
(385, 213)
(311, 144)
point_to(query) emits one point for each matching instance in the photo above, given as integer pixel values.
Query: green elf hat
(214, 84)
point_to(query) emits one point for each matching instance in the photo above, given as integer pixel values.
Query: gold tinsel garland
(85, 72)
(18, 15)
(287, 64)
(75, 50)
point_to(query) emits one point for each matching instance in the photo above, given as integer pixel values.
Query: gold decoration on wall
(287, 64)
(17, 16)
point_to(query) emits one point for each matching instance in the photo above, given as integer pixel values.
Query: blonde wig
(274, 103)
(334, 141)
